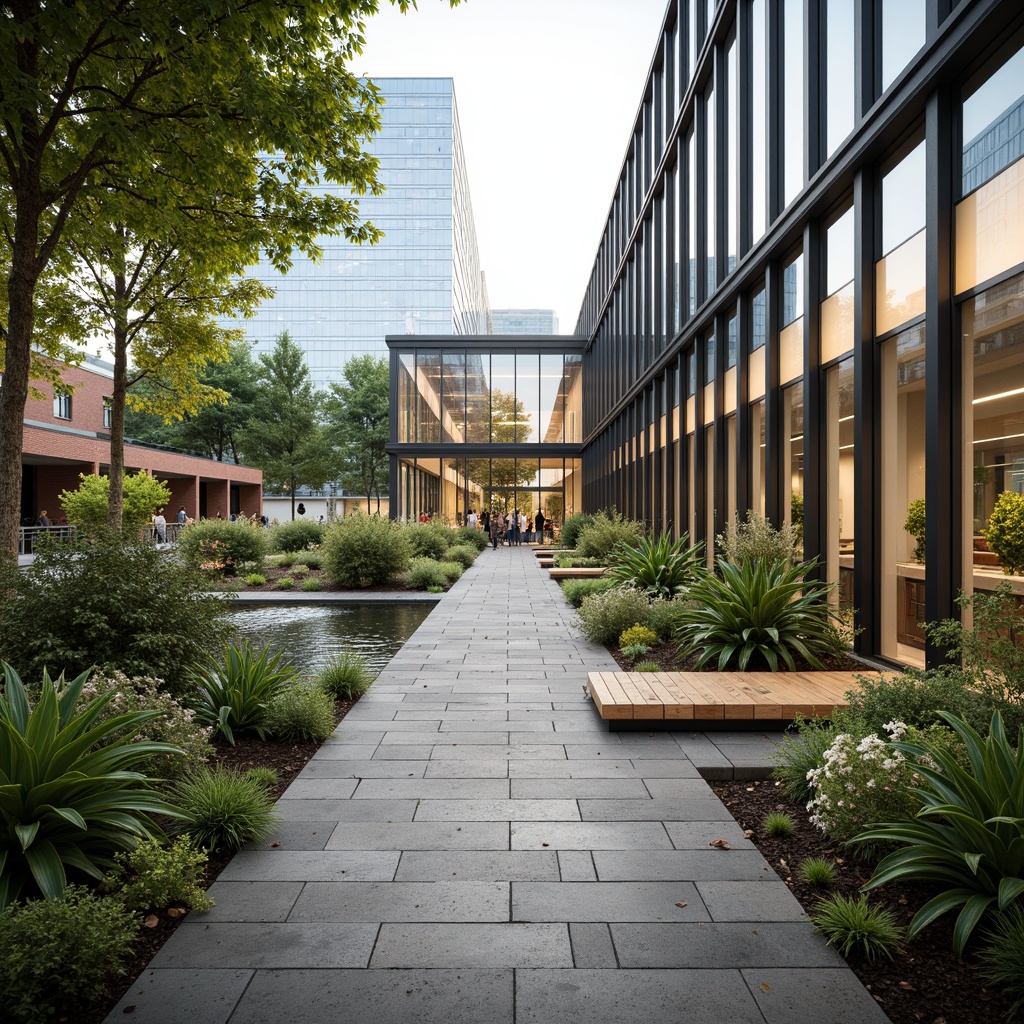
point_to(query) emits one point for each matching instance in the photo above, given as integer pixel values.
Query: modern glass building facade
(524, 321)
(809, 295)
(485, 423)
(423, 277)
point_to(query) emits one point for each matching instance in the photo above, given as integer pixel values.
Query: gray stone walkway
(472, 845)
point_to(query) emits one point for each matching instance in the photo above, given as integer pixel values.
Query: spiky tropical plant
(758, 612)
(659, 566)
(969, 832)
(68, 796)
(234, 696)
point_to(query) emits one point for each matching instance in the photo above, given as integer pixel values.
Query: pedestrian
(160, 527)
(472, 519)
(538, 526)
(524, 527)
(182, 516)
(43, 519)
(497, 529)
(485, 521)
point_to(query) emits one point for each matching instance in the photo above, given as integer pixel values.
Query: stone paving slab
(472, 846)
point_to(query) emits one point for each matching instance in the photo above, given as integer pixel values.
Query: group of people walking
(512, 529)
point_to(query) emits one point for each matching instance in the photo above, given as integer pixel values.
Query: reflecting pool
(312, 634)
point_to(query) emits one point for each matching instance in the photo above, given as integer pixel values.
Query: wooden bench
(698, 699)
(576, 574)
(550, 552)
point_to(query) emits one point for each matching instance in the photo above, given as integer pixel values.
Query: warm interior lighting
(1005, 437)
(845, 419)
(1002, 394)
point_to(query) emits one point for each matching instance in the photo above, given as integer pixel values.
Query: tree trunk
(17, 361)
(115, 500)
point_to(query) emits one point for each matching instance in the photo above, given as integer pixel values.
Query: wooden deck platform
(692, 698)
(576, 574)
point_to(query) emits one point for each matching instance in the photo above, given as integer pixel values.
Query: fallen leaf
(721, 844)
(680, 904)
(175, 912)
(277, 843)
(765, 987)
(748, 833)
(839, 860)
(130, 1008)
(545, 844)
(782, 861)
(750, 789)
(152, 921)
(907, 987)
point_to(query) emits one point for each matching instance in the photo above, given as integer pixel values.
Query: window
(62, 405)
(106, 411)
(840, 18)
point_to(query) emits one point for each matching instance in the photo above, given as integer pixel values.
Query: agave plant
(758, 611)
(969, 832)
(660, 567)
(67, 795)
(236, 695)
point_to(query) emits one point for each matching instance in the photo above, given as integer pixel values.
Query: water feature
(312, 634)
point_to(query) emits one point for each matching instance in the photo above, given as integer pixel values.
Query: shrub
(301, 713)
(68, 794)
(222, 809)
(464, 554)
(860, 781)
(362, 551)
(263, 776)
(60, 950)
(818, 872)
(854, 928)
(298, 570)
(569, 560)
(608, 530)
(603, 617)
(663, 617)
(452, 570)
(285, 583)
(310, 585)
(1002, 959)
(311, 559)
(1005, 531)
(345, 677)
(467, 535)
(633, 651)
(572, 527)
(646, 666)
(425, 572)
(660, 567)
(796, 756)
(113, 605)
(968, 833)
(429, 540)
(86, 506)
(435, 589)
(283, 561)
(174, 723)
(297, 535)
(778, 824)
(755, 540)
(576, 590)
(758, 613)
(234, 696)
(637, 634)
(222, 545)
(255, 579)
(154, 875)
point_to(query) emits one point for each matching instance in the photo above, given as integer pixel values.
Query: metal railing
(30, 536)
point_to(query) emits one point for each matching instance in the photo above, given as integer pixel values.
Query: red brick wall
(90, 388)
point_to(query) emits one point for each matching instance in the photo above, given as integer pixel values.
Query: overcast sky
(547, 91)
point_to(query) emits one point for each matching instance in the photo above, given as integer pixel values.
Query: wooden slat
(725, 696)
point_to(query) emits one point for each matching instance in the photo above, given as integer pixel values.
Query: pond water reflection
(312, 634)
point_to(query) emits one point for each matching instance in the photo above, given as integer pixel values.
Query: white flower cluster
(851, 779)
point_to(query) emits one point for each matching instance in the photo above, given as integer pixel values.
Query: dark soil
(926, 982)
(287, 759)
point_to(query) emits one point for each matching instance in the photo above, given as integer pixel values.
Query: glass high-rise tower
(423, 277)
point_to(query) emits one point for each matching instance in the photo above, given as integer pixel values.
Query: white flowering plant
(862, 780)
(175, 724)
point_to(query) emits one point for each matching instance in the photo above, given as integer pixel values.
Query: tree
(212, 431)
(86, 506)
(358, 420)
(284, 437)
(146, 103)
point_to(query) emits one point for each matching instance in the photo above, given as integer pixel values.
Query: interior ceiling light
(1002, 394)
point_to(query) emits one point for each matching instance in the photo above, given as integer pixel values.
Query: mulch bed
(926, 983)
(287, 759)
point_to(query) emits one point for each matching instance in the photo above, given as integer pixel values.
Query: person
(485, 521)
(538, 526)
(524, 527)
(160, 526)
(182, 516)
(424, 518)
(472, 520)
(320, 521)
(43, 520)
(220, 513)
(497, 529)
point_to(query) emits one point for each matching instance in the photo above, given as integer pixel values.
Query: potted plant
(1005, 532)
(915, 526)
